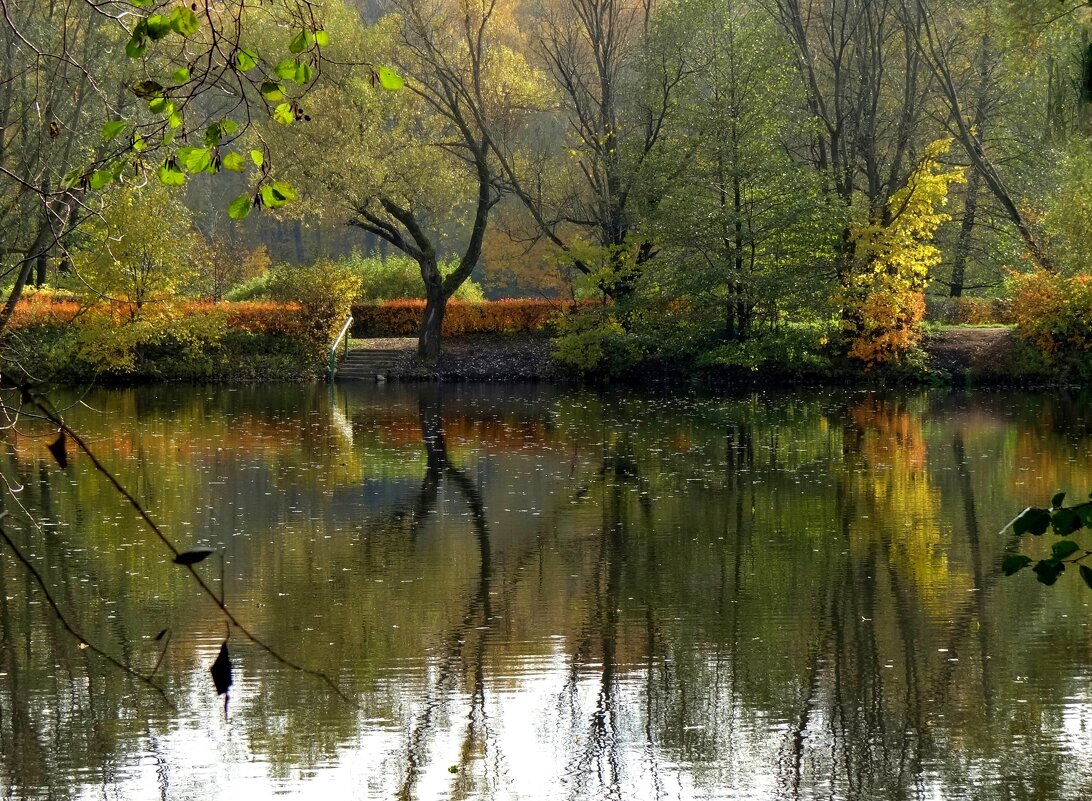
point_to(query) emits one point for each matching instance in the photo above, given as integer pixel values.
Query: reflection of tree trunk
(479, 609)
(970, 520)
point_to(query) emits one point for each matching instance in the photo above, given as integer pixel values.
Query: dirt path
(957, 350)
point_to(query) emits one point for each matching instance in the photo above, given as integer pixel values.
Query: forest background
(773, 185)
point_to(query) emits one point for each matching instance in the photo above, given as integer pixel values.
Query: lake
(526, 592)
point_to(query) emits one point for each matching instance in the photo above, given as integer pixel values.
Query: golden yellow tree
(894, 253)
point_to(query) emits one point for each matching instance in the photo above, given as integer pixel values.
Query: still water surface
(530, 593)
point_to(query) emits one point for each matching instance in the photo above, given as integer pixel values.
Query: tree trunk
(428, 342)
(963, 244)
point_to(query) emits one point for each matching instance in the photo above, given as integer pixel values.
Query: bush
(44, 308)
(194, 341)
(1054, 314)
(403, 317)
(795, 347)
(595, 344)
(398, 277)
(257, 288)
(886, 325)
(324, 292)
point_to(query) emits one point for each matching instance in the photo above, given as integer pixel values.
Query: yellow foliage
(894, 252)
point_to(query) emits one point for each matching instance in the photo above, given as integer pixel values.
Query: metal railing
(332, 366)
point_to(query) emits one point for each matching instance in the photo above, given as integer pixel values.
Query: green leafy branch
(1065, 521)
(215, 56)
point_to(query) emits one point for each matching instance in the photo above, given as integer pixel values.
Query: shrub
(969, 311)
(324, 292)
(796, 347)
(595, 344)
(398, 277)
(257, 288)
(44, 308)
(1053, 313)
(887, 324)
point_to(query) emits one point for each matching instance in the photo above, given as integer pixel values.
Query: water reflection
(544, 594)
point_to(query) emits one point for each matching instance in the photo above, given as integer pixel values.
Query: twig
(37, 402)
(71, 629)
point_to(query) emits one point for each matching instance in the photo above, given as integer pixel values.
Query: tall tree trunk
(963, 244)
(428, 341)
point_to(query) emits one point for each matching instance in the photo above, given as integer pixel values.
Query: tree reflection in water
(561, 595)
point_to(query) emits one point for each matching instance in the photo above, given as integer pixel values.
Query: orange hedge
(403, 317)
(257, 317)
(43, 308)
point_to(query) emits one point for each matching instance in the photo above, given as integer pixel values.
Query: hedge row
(403, 317)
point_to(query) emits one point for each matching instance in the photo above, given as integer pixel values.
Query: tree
(79, 116)
(935, 50)
(128, 256)
(617, 94)
(895, 252)
(741, 226)
(415, 157)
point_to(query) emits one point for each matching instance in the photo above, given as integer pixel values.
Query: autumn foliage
(894, 253)
(43, 309)
(1053, 312)
(403, 317)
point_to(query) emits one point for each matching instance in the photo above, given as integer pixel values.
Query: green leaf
(301, 42)
(148, 89)
(240, 207)
(284, 114)
(100, 178)
(194, 159)
(1066, 521)
(1048, 570)
(286, 70)
(216, 132)
(184, 21)
(170, 175)
(234, 161)
(142, 3)
(246, 60)
(111, 130)
(137, 45)
(181, 75)
(157, 26)
(303, 74)
(1014, 563)
(1033, 521)
(284, 190)
(1084, 511)
(174, 118)
(271, 91)
(1086, 574)
(322, 38)
(1056, 501)
(157, 105)
(257, 157)
(1064, 548)
(272, 199)
(71, 178)
(389, 79)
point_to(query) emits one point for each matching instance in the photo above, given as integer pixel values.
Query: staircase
(369, 364)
